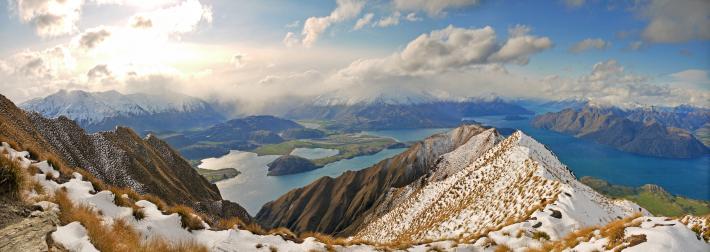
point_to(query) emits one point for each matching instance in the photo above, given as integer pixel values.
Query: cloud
(293, 24)
(573, 3)
(691, 78)
(291, 39)
(636, 46)
(314, 26)
(610, 82)
(51, 18)
(363, 21)
(98, 71)
(92, 38)
(434, 8)
(45, 64)
(675, 21)
(141, 4)
(391, 20)
(412, 17)
(448, 49)
(176, 19)
(520, 46)
(589, 44)
(141, 22)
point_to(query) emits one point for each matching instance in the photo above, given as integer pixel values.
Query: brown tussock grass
(13, 179)
(118, 237)
(502, 248)
(189, 220)
(98, 184)
(162, 206)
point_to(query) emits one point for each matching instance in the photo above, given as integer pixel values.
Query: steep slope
(485, 185)
(339, 205)
(120, 158)
(92, 220)
(605, 127)
(100, 111)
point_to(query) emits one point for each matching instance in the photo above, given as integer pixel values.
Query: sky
(257, 55)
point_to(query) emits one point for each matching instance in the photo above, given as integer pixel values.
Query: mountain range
(469, 189)
(120, 158)
(237, 134)
(650, 132)
(410, 113)
(103, 111)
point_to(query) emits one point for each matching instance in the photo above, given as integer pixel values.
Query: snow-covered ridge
(515, 188)
(93, 107)
(488, 193)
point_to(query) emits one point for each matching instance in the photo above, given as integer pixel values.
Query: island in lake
(289, 164)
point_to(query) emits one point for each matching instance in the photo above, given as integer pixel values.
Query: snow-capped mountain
(98, 111)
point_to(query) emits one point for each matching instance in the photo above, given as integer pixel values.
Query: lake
(252, 188)
(689, 177)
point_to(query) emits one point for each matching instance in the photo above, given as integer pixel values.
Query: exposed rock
(30, 234)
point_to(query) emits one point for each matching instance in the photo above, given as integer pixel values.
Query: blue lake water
(688, 177)
(252, 188)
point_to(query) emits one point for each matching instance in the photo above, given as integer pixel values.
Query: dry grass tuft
(157, 201)
(189, 220)
(138, 212)
(233, 222)
(162, 245)
(13, 180)
(502, 248)
(95, 182)
(539, 235)
(616, 230)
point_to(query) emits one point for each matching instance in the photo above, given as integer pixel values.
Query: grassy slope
(217, 175)
(652, 198)
(348, 145)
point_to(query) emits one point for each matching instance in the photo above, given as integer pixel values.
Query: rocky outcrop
(289, 164)
(30, 234)
(606, 127)
(340, 205)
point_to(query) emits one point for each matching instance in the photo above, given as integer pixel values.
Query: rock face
(30, 234)
(102, 111)
(339, 205)
(607, 127)
(289, 164)
(120, 157)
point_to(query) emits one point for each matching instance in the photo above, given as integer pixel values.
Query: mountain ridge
(101, 111)
(606, 126)
(120, 158)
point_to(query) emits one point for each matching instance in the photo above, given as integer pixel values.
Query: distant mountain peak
(104, 110)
